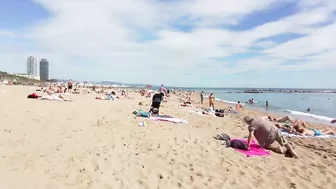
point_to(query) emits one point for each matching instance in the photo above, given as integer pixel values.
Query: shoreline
(258, 111)
(282, 113)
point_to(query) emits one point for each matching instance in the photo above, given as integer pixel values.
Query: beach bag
(219, 114)
(226, 138)
(237, 144)
(34, 96)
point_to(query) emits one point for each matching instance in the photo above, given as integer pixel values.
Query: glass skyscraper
(44, 70)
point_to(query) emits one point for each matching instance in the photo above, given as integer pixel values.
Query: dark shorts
(69, 86)
(156, 105)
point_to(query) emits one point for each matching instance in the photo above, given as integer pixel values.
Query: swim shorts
(317, 132)
(280, 138)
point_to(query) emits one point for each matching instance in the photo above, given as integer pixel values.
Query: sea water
(322, 105)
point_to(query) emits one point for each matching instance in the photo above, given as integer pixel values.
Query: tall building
(32, 66)
(44, 70)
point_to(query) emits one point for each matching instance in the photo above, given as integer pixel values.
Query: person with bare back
(70, 86)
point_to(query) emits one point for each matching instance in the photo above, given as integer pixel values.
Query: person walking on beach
(266, 134)
(202, 97)
(212, 101)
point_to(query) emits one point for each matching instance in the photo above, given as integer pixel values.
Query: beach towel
(201, 113)
(254, 150)
(173, 120)
(50, 97)
(300, 136)
(141, 113)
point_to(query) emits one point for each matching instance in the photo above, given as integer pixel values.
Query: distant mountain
(109, 83)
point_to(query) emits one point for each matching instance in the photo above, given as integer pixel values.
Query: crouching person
(266, 134)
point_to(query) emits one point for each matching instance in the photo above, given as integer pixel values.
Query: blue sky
(205, 43)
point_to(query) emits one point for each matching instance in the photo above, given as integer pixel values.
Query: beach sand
(98, 144)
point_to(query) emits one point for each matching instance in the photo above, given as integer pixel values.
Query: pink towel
(254, 150)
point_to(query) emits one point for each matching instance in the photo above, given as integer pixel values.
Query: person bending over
(156, 102)
(266, 134)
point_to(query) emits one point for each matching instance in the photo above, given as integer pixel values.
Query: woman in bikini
(212, 101)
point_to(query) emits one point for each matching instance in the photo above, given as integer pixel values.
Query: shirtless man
(300, 128)
(285, 119)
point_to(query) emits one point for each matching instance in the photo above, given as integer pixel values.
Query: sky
(194, 43)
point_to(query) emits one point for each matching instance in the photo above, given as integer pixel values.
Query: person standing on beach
(202, 97)
(266, 134)
(267, 104)
(239, 106)
(212, 101)
(70, 86)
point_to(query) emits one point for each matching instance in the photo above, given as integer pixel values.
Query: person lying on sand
(107, 97)
(300, 128)
(266, 134)
(53, 97)
(285, 119)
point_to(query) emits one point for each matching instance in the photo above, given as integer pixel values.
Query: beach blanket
(51, 97)
(254, 150)
(201, 113)
(173, 120)
(300, 136)
(140, 113)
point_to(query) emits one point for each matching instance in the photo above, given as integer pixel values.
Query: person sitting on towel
(266, 134)
(156, 102)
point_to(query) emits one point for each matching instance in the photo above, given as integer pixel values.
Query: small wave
(325, 118)
(226, 101)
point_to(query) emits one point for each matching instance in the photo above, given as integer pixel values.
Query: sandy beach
(98, 144)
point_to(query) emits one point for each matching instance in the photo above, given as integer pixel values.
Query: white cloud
(107, 39)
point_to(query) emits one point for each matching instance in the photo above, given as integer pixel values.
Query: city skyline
(198, 43)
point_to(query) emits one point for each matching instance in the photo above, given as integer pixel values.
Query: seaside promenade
(98, 144)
